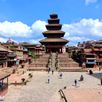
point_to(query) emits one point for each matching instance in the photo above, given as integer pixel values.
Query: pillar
(61, 50)
(5, 64)
(7, 81)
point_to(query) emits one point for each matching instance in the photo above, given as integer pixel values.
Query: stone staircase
(53, 61)
(40, 63)
(67, 64)
(56, 62)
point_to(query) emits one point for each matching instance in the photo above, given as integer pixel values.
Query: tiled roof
(3, 48)
(97, 45)
(54, 40)
(53, 19)
(54, 25)
(53, 32)
(16, 49)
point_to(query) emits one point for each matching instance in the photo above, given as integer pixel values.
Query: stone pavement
(83, 95)
(38, 90)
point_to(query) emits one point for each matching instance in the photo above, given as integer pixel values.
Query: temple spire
(53, 41)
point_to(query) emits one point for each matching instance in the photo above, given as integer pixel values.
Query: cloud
(14, 29)
(3, 39)
(19, 29)
(75, 39)
(85, 29)
(37, 28)
(34, 41)
(87, 2)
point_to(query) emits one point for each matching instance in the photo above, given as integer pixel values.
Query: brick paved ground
(84, 95)
(38, 90)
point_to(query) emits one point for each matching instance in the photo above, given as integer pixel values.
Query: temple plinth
(54, 41)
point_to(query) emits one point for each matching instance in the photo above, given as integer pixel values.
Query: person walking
(48, 79)
(75, 82)
(101, 81)
(52, 72)
(49, 69)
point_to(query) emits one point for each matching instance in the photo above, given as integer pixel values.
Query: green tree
(32, 54)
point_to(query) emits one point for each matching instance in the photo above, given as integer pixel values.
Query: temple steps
(72, 69)
(38, 69)
(67, 64)
(53, 61)
(40, 64)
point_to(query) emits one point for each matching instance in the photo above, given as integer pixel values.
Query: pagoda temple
(54, 41)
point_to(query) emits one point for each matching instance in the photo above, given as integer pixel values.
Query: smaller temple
(54, 41)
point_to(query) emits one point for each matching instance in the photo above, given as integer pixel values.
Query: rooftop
(53, 32)
(2, 48)
(54, 40)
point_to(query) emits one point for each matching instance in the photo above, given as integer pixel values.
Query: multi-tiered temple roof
(53, 41)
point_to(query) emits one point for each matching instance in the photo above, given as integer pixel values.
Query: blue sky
(25, 20)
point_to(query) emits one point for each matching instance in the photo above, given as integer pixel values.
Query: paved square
(38, 90)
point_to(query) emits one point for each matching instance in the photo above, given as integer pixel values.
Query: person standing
(81, 78)
(61, 75)
(99, 68)
(52, 72)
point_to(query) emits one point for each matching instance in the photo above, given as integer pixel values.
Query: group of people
(91, 72)
(60, 76)
(81, 79)
(49, 69)
(75, 81)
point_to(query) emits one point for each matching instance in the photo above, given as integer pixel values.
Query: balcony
(11, 55)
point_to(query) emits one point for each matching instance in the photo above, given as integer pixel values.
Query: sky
(25, 20)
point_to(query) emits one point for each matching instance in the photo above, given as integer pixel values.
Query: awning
(90, 62)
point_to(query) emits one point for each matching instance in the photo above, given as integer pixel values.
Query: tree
(33, 55)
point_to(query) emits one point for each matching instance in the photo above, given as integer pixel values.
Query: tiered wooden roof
(54, 33)
(54, 40)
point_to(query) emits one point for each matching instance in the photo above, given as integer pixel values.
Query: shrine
(54, 41)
